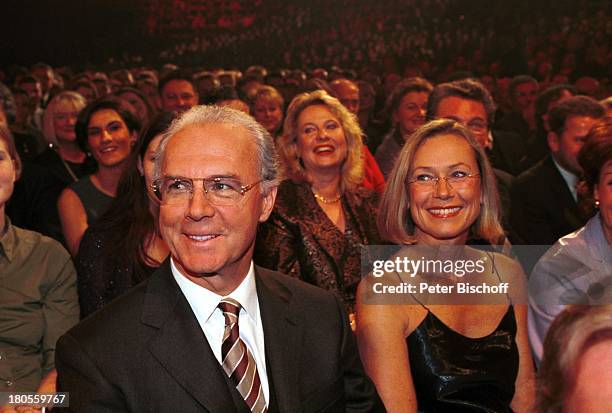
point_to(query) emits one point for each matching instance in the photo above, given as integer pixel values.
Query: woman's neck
(107, 179)
(70, 151)
(427, 239)
(326, 185)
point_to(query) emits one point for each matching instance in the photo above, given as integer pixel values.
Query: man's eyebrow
(216, 176)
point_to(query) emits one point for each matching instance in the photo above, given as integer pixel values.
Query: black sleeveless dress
(456, 374)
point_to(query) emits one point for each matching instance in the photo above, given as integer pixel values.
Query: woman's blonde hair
(352, 169)
(572, 333)
(394, 219)
(74, 99)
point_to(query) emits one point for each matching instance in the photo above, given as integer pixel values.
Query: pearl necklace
(327, 200)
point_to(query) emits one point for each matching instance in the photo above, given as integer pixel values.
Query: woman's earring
(597, 203)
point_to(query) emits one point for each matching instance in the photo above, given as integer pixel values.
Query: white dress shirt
(570, 179)
(204, 304)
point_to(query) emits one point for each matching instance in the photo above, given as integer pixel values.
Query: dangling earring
(597, 203)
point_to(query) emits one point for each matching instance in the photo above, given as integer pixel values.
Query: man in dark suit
(544, 198)
(209, 331)
(469, 103)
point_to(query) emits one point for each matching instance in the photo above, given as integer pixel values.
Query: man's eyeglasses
(457, 180)
(218, 191)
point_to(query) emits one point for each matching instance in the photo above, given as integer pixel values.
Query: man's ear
(267, 201)
(553, 142)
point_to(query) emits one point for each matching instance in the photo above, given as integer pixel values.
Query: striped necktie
(238, 362)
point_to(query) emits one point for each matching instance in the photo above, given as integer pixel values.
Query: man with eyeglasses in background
(468, 102)
(209, 331)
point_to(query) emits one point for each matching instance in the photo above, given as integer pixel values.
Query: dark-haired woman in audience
(38, 296)
(108, 129)
(425, 352)
(575, 375)
(322, 215)
(578, 268)
(123, 247)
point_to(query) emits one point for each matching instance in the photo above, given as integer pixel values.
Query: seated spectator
(64, 157)
(178, 92)
(86, 89)
(428, 354)
(28, 138)
(227, 96)
(407, 107)
(522, 91)
(347, 92)
(61, 164)
(575, 376)
(123, 247)
(146, 81)
(109, 130)
(267, 107)
(31, 85)
(544, 198)
(578, 268)
(134, 97)
(38, 296)
(537, 146)
(322, 214)
(468, 102)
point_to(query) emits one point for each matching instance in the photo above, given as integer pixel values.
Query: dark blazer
(507, 152)
(543, 208)
(299, 239)
(146, 352)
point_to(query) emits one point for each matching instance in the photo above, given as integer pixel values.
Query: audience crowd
(428, 124)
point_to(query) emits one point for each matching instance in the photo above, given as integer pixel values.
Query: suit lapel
(181, 346)
(564, 200)
(281, 335)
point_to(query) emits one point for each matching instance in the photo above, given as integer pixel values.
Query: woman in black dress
(437, 351)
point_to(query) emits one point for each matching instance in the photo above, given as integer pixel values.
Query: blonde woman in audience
(322, 215)
(426, 353)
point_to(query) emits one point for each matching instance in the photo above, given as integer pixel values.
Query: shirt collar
(208, 301)
(570, 179)
(8, 241)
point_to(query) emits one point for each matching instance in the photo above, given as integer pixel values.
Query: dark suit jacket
(299, 240)
(543, 209)
(146, 352)
(507, 152)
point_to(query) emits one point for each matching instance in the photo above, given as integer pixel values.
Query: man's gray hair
(207, 115)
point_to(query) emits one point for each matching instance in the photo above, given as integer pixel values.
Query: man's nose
(199, 206)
